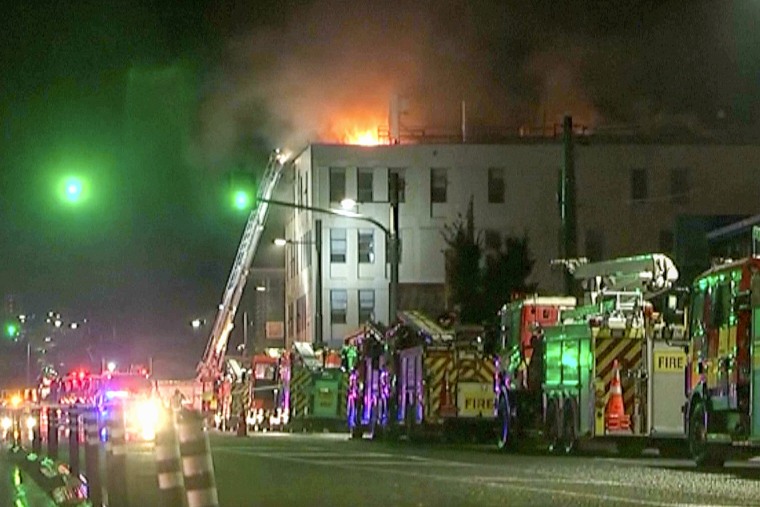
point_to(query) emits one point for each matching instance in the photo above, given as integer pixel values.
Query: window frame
(365, 193)
(336, 174)
(369, 256)
(497, 185)
(341, 308)
(335, 239)
(362, 310)
(640, 192)
(438, 194)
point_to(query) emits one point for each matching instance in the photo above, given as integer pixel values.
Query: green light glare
(73, 189)
(11, 330)
(241, 200)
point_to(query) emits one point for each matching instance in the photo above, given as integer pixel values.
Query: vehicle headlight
(147, 415)
(6, 423)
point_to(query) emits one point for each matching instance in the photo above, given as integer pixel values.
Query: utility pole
(393, 250)
(318, 339)
(569, 247)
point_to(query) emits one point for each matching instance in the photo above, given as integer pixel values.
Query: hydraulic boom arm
(210, 366)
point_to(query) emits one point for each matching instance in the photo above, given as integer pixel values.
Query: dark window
(366, 305)
(439, 182)
(679, 185)
(338, 245)
(496, 185)
(364, 185)
(338, 306)
(301, 314)
(366, 244)
(292, 255)
(594, 245)
(305, 246)
(666, 241)
(337, 184)
(639, 185)
(492, 239)
(401, 184)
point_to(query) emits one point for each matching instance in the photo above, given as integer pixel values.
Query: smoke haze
(329, 65)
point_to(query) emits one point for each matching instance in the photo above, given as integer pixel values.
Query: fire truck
(266, 398)
(723, 410)
(215, 374)
(367, 359)
(611, 368)
(315, 386)
(443, 379)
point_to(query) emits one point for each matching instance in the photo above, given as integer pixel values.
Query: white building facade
(628, 195)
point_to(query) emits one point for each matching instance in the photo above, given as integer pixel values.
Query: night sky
(155, 103)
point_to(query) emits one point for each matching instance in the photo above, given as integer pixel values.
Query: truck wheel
(702, 452)
(504, 424)
(569, 431)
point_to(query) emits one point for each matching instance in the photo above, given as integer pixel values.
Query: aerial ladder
(211, 367)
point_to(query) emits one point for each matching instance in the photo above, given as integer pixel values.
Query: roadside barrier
(92, 456)
(116, 459)
(171, 482)
(73, 414)
(181, 450)
(197, 465)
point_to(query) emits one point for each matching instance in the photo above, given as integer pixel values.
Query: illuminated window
(366, 242)
(364, 182)
(338, 246)
(496, 185)
(679, 185)
(401, 183)
(337, 184)
(366, 306)
(338, 306)
(439, 182)
(639, 185)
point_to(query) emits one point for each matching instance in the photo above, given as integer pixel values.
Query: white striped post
(116, 458)
(92, 456)
(197, 465)
(36, 432)
(171, 483)
(52, 432)
(74, 440)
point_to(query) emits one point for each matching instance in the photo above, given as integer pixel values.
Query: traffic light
(11, 330)
(242, 187)
(73, 189)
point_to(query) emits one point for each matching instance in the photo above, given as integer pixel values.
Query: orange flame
(361, 137)
(358, 129)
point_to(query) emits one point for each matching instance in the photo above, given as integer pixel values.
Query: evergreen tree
(463, 273)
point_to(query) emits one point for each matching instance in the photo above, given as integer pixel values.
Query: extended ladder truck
(217, 380)
(610, 369)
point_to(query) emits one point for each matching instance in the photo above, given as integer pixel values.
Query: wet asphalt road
(329, 469)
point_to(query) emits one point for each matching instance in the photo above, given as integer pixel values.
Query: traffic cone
(615, 416)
